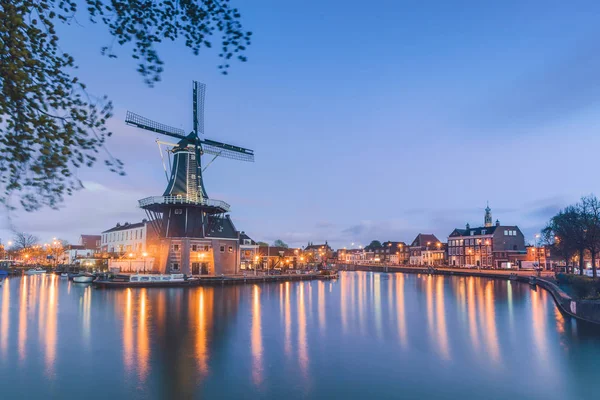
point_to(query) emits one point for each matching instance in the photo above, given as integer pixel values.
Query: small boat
(35, 271)
(64, 275)
(84, 278)
(146, 280)
(153, 278)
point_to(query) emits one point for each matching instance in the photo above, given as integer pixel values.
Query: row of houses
(491, 245)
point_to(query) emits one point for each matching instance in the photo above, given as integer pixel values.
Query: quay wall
(586, 310)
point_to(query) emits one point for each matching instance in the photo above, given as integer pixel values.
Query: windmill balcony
(196, 201)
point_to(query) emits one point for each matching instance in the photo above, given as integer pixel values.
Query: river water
(364, 335)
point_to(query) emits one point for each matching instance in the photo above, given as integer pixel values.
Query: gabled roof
(276, 251)
(422, 239)
(244, 236)
(489, 230)
(126, 226)
(317, 246)
(391, 244)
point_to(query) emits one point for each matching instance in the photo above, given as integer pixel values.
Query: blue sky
(373, 120)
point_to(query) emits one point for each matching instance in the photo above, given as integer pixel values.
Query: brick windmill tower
(197, 236)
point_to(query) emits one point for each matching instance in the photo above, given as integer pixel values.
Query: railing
(183, 200)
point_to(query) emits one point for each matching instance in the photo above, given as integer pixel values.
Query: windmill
(184, 210)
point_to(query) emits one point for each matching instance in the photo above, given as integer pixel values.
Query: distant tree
(590, 215)
(568, 230)
(280, 243)
(49, 125)
(24, 242)
(375, 244)
(262, 243)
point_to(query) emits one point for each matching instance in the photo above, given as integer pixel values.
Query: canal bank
(586, 310)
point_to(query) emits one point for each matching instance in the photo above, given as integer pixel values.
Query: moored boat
(64, 275)
(145, 280)
(35, 271)
(153, 278)
(84, 278)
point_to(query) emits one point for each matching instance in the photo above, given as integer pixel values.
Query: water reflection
(489, 315)
(128, 332)
(472, 313)
(268, 340)
(143, 346)
(23, 318)
(257, 345)
(4, 318)
(50, 326)
(400, 309)
(204, 304)
(441, 319)
(288, 321)
(302, 342)
(322, 300)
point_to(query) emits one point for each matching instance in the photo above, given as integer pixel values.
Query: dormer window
(178, 211)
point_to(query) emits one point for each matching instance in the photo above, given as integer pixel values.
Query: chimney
(468, 226)
(497, 222)
(118, 224)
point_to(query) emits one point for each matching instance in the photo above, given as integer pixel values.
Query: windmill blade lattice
(153, 126)
(227, 150)
(198, 101)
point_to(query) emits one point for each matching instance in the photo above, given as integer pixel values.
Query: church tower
(488, 216)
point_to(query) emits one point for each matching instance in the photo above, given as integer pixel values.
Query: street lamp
(144, 254)
(537, 250)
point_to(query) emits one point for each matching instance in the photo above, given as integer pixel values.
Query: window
(178, 211)
(472, 233)
(483, 231)
(194, 247)
(206, 248)
(175, 247)
(505, 233)
(193, 176)
(230, 249)
(222, 249)
(175, 266)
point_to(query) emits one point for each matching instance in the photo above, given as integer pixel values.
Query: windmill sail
(149, 125)
(227, 150)
(198, 101)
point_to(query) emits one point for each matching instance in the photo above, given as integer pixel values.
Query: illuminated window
(230, 249)
(175, 247)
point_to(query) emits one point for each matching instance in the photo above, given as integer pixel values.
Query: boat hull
(83, 279)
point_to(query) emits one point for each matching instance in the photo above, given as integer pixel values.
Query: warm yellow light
(130, 255)
(145, 254)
